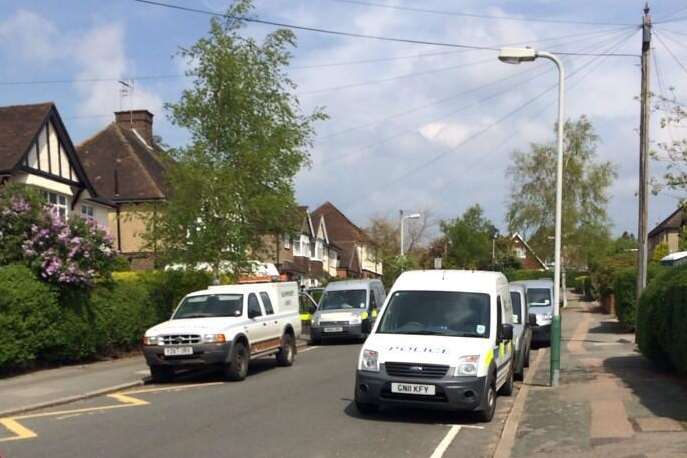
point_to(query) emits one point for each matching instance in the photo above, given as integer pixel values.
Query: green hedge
(662, 331)
(521, 274)
(40, 325)
(624, 288)
(29, 313)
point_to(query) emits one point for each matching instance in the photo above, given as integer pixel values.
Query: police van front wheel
(487, 413)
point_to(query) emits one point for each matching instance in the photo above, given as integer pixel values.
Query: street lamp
(515, 56)
(403, 220)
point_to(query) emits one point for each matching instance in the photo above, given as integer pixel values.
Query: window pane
(267, 303)
(254, 305)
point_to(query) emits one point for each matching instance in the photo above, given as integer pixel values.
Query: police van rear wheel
(507, 388)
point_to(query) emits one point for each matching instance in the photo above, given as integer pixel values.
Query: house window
(305, 246)
(319, 249)
(57, 201)
(297, 247)
(286, 241)
(87, 212)
(520, 252)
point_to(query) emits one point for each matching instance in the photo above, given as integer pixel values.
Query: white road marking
(145, 372)
(307, 349)
(446, 441)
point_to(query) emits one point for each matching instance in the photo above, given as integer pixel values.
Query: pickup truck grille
(181, 339)
(415, 370)
(333, 323)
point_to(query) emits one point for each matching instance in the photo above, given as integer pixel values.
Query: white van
(226, 326)
(443, 340)
(347, 308)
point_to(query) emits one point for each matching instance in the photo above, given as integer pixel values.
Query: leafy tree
(234, 181)
(469, 240)
(672, 152)
(586, 181)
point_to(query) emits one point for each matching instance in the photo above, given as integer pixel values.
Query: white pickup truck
(226, 326)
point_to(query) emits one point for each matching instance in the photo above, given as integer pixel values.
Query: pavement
(611, 402)
(303, 410)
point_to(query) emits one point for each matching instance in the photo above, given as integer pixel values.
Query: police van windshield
(517, 307)
(344, 299)
(211, 305)
(441, 313)
(539, 297)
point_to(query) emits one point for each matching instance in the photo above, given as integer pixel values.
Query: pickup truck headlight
(151, 340)
(214, 338)
(370, 361)
(467, 366)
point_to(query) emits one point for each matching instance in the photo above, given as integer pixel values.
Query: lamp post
(403, 220)
(515, 56)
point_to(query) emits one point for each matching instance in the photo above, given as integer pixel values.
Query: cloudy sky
(411, 126)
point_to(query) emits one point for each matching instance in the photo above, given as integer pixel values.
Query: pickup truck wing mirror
(532, 319)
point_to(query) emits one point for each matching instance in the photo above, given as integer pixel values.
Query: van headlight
(370, 361)
(151, 340)
(467, 366)
(214, 338)
(315, 321)
(355, 320)
(545, 317)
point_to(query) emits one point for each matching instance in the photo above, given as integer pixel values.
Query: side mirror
(532, 319)
(253, 313)
(506, 332)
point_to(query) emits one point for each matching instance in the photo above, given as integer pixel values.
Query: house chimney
(140, 120)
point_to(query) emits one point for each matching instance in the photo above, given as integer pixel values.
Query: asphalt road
(301, 411)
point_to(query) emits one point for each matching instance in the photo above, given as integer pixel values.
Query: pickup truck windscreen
(211, 305)
(344, 299)
(539, 297)
(441, 313)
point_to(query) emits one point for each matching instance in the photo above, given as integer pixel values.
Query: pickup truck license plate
(413, 388)
(334, 329)
(178, 351)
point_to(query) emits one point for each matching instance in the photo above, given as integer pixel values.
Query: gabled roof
(119, 151)
(673, 221)
(19, 126)
(343, 233)
(518, 237)
(319, 223)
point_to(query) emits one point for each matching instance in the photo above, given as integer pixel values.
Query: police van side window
(267, 303)
(253, 306)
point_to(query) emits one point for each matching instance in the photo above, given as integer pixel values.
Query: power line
(671, 15)
(345, 34)
(475, 15)
(88, 80)
(667, 48)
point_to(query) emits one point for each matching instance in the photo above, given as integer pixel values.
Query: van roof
(516, 286)
(349, 284)
(540, 283)
(450, 280)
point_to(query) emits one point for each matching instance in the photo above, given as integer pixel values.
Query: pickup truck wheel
(237, 369)
(161, 374)
(366, 409)
(487, 414)
(287, 352)
(507, 388)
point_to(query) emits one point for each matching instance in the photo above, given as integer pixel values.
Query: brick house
(525, 254)
(124, 163)
(668, 232)
(359, 257)
(36, 150)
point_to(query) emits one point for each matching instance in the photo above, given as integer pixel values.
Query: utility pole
(402, 241)
(645, 113)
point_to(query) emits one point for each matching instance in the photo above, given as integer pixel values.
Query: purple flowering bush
(63, 252)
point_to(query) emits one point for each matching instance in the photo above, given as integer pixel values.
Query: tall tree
(586, 182)
(672, 152)
(469, 240)
(233, 182)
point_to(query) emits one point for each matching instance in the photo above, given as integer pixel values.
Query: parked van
(523, 323)
(347, 308)
(540, 302)
(226, 326)
(443, 340)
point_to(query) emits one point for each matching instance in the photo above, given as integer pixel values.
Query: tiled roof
(673, 221)
(19, 124)
(343, 233)
(140, 169)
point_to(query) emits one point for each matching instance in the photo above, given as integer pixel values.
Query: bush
(625, 291)
(517, 275)
(165, 289)
(662, 331)
(28, 315)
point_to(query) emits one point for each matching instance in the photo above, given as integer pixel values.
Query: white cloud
(30, 37)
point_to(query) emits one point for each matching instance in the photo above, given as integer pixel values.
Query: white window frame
(297, 246)
(520, 252)
(88, 212)
(61, 202)
(286, 240)
(305, 246)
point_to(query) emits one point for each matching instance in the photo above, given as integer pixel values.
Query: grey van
(523, 324)
(347, 308)
(540, 302)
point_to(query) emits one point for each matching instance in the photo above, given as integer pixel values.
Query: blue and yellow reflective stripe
(488, 357)
(374, 313)
(305, 316)
(363, 316)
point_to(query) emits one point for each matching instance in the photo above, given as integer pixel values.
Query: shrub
(662, 331)
(624, 288)
(28, 316)
(165, 289)
(517, 275)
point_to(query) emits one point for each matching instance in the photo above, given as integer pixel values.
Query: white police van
(443, 340)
